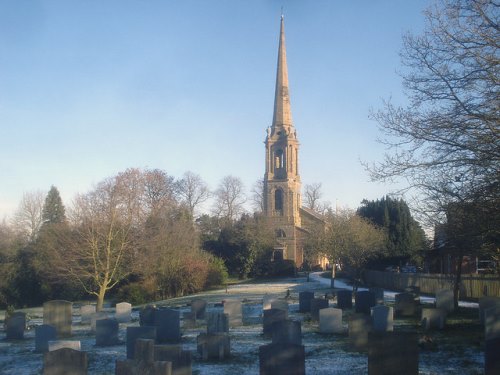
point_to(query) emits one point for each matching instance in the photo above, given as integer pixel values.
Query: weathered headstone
(491, 357)
(15, 325)
(492, 323)
(364, 301)
(43, 334)
(280, 304)
(287, 332)
(486, 303)
(134, 333)
(378, 293)
(316, 305)
(86, 312)
(144, 362)
(181, 359)
(359, 327)
(100, 315)
(235, 312)
(271, 316)
(198, 307)
(344, 299)
(433, 318)
(123, 312)
(60, 344)
(305, 301)
(392, 353)
(65, 361)
(330, 320)
(214, 346)
(147, 316)
(382, 318)
(217, 322)
(267, 300)
(168, 325)
(277, 359)
(106, 333)
(405, 304)
(59, 315)
(188, 319)
(444, 300)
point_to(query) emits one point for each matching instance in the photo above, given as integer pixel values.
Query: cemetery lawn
(459, 348)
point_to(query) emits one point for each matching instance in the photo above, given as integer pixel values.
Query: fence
(472, 286)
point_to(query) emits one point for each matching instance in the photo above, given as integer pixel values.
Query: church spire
(282, 113)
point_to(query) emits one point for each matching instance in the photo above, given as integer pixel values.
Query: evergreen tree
(53, 209)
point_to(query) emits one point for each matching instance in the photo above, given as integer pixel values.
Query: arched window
(278, 201)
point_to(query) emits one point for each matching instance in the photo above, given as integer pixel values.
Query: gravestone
(271, 316)
(267, 300)
(433, 318)
(65, 361)
(364, 301)
(330, 320)
(86, 312)
(444, 300)
(279, 304)
(144, 362)
(43, 334)
(188, 320)
(134, 333)
(305, 301)
(287, 332)
(492, 323)
(147, 316)
(316, 305)
(106, 333)
(168, 325)
(15, 325)
(486, 303)
(181, 359)
(100, 315)
(382, 318)
(213, 346)
(275, 359)
(344, 299)
(60, 344)
(359, 327)
(235, 312)
(198, 307)
(378, 293)
(491, 357)
(217, 322)
(123, 312)
(58, 314)
(405, 304)
(392, 353)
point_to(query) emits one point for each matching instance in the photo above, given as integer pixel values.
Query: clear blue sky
(90, 88)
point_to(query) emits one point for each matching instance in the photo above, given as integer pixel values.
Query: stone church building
(282, 185)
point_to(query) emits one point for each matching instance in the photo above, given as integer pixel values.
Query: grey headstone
(235, 311)
(147, 316)
(198, 307)
(123, 312)
(15, 325)
(378, 293)
(64, 362)
(95, 317)
(144, 350)
(86, 312)
(60, 344)
(305, 301)
(330, 320)
(492, 323)
(433, 318)
(486, 303)
(316, 305)
(106, 333)
(287, 332)
(444, 300)
(188, 319)
(214, 346)
(279, 304)
(181, 359)
(405, 304)
(217, 322)
(359, 327)
(392, 353)
(276, 359)
(271, 316)
(168, 325)
(43, 334)
(134, 333)
(382, 318)
(59, 315)
(344, 299)
(364, 301)
(491, 357)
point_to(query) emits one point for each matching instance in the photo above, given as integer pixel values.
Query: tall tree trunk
(100, 298)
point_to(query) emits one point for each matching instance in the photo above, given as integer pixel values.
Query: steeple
(282, 114)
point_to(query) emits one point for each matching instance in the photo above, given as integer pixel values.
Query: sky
(91, 88)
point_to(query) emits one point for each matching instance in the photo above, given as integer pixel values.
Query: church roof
(282, 112)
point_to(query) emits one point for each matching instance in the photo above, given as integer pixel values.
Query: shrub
(134, 293)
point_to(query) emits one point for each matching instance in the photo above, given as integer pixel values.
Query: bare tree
(229, 199)
(258, 195)
(159, 189)
(28, 218)
(193, 191)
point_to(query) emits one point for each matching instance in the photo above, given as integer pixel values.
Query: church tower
(282, 200)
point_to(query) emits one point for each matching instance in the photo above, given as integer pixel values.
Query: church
(282, 185)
